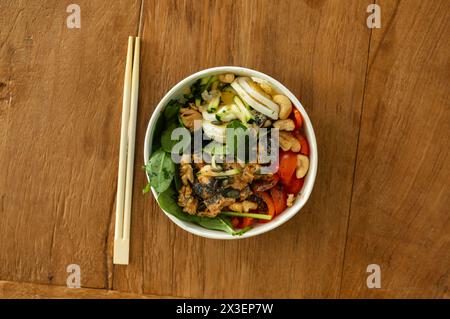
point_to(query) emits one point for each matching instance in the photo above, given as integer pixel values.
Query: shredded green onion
(257, 216)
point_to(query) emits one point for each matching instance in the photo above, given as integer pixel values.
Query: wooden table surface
(378, 99)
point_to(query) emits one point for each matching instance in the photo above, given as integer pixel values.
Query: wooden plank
(60, 112)
(319, 50)
(400, 209)
(20, 290)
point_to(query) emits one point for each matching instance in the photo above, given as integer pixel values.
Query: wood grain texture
(400, 210)
(319, 50)
(19, 290)
(59, 127)
(379, 102)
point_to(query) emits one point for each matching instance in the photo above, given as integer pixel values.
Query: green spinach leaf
(171, 110)
(177, 178)
(217, 223)
(156, 143)
(168, 202)
(242, 231)
(161, 170)
(166, 141)
(146, 188)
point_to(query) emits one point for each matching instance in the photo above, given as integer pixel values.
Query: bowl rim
(310, 136)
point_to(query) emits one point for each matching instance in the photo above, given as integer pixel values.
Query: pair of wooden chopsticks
(126, 156)
(127, 146)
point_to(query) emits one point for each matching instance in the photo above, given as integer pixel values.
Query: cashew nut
(226, 78)
(245, 206)
(302, 166)
(290, 200)
(284, 125)
(266, 88)
(285, 105)
(267, 123)
(289, 142)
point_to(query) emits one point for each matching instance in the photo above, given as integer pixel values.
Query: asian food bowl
(208, 195)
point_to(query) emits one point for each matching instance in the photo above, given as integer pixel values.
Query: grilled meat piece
(188, 116)
(231, 192)
(197, 160)
(187, 200)
(186, 174)
(238, 183)
(245, 193)
(206, 190)
(243, 180)
(215, 204)
(249, 172)
(262, 206)
(265, 182)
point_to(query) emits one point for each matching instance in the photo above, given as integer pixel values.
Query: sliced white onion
(258, 80)
(209, 116)
(247, 86)
(252, 102)
(208, 170)
(215, 132)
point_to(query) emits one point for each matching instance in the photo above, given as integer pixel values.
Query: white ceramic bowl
(176, 91)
